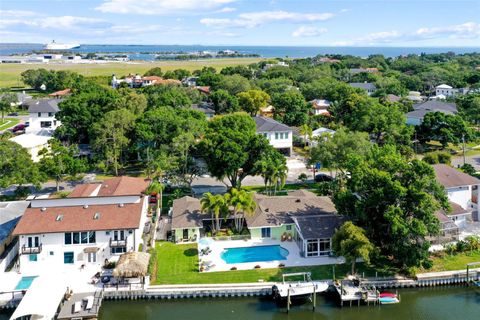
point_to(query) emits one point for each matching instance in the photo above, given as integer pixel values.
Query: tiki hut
(132, 265)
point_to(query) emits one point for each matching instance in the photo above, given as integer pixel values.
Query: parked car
(19, 127)
(13, 114)
(322, 177)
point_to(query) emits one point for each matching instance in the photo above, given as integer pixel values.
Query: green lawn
(8, 123)
(178, 264)
(454, 262)
(10, 73)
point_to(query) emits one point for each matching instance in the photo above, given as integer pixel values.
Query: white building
(320, 106)
(462, 191)
(42, 114)
(370, 88)
(34, 142)
(445, 90)
(97, 222)
(277, 134)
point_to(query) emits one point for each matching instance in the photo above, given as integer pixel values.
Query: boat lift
(473, 281)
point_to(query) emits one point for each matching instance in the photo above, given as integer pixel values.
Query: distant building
(416, 116)
(277, 134)
(445, 90)
(278, 64)
(60, 94)
(190, 81)
(393, 98)
(42, 114)
(415, 96)
(363, 70)
(320, 106)
(137, 81)
(205, 108)
(367, 86)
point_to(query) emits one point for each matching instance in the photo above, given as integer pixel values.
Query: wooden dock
(351, 293)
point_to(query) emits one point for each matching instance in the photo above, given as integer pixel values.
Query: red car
(19, 127)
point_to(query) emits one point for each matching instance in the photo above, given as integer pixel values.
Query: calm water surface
(439, 303)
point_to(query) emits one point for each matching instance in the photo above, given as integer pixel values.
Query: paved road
(473, 160)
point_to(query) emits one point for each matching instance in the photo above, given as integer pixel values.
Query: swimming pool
(25, 283)
(254, 254)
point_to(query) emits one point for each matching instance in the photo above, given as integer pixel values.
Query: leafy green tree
(252, 101)
(290, 108)
(53, 80)
(243, 205)
(272, 166)
(444, 128)
(209, 77)
(231, 148)
(469, 169)
(57, 161)
(16, 166)
(394, 199)
(167, 95)
(235, 84)
(131, 101)
(438, 157)
(7, 100)
(224, 102)
(112, 137)
(274, 86)
(156, 71)
(469, 106)
(178, 74)
(351, 243)
(306, 131)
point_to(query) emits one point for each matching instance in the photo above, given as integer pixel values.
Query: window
(50, 114)
(33, 242)
(68, 257)
(276, 135)
(39, 114)
(80, 237)
(288, 227)
(32, 257)
(265, 232)
(51, 253)
(118, 250)
(318, 247)
(68, 238)
(286, 135)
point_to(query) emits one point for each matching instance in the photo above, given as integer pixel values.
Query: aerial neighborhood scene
(232, 159)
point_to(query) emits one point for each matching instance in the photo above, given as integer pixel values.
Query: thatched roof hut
(132, 265)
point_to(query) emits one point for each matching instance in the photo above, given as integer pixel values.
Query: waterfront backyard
(179, 264)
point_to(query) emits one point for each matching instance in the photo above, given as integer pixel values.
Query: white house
(34, 142)
(95, 223)
(462, 191)
(367, 86)
(138, 81)
(317, 133)
(320, 106)
(277, 134)
(42, 114)
(445, 90)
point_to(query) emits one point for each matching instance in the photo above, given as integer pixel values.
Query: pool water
(254, 254)
(25, 283)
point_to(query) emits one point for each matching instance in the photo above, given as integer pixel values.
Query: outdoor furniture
(89, 302)
(77, 306)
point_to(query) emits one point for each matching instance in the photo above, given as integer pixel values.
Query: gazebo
(132, 265)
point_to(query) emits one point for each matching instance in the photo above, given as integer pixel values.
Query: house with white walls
(278, 135)
(320, 106)
(462, 191)
(42, 114)
(96, 223)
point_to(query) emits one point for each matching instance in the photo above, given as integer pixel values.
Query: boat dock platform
(351, 292)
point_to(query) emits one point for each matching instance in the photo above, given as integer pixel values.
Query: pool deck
(214, 262)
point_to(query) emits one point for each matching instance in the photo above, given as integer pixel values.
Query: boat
(60, 46)
(388, 298)
(298, 289)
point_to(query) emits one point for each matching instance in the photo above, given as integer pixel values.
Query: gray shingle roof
(186, 213)
(435, 105)
(363, 85)
(265, 124)
(10, 213)
(450, 177)
(43, 105)
(275, 211)
(319, 226)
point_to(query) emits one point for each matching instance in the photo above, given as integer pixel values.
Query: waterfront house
(462, 192)
(320, 106)
(370, 88)
(10, 214)
(96, 223)
(278, 135)
(301, 216)
(448, 232)
(416, 116)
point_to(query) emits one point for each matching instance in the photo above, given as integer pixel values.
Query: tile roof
(123, 186)
(84, 190)
(43, 105)
(79, 218)
(450, 177)
(265, 124)
(275, 211)
(186, 213)
(59, 93)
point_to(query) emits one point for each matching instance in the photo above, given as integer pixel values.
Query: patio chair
(89, 302)
(77, 306)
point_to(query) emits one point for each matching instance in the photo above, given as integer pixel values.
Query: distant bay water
(146, 52)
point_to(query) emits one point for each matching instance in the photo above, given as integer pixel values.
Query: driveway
(473, 160)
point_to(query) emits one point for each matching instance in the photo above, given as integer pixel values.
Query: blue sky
(244, 22)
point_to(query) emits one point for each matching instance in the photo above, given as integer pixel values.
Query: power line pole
(463, 142)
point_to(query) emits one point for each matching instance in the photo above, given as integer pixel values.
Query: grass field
(454, 262)
(10, 73)
(178, 264)
(8, 123)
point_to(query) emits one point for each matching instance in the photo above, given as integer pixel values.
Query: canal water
(439, 303)
(457, 303)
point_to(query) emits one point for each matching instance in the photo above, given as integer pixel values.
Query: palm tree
(242, 203)
(216, 206)
(157, 188)
(306, 132)
(278, 176)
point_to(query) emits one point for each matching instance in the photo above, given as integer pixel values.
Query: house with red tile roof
(95, 223)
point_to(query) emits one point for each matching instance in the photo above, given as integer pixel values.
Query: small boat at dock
(388, 298)
(298, 289)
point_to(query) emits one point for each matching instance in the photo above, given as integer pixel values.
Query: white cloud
(160, 7)
(254, 19)
(307, 31)
(59, 23)
(9, 14)
(226, 10)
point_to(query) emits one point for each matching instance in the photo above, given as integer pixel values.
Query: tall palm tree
(278, 177)
(216, 206)
(306, 131)
(243, 204)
